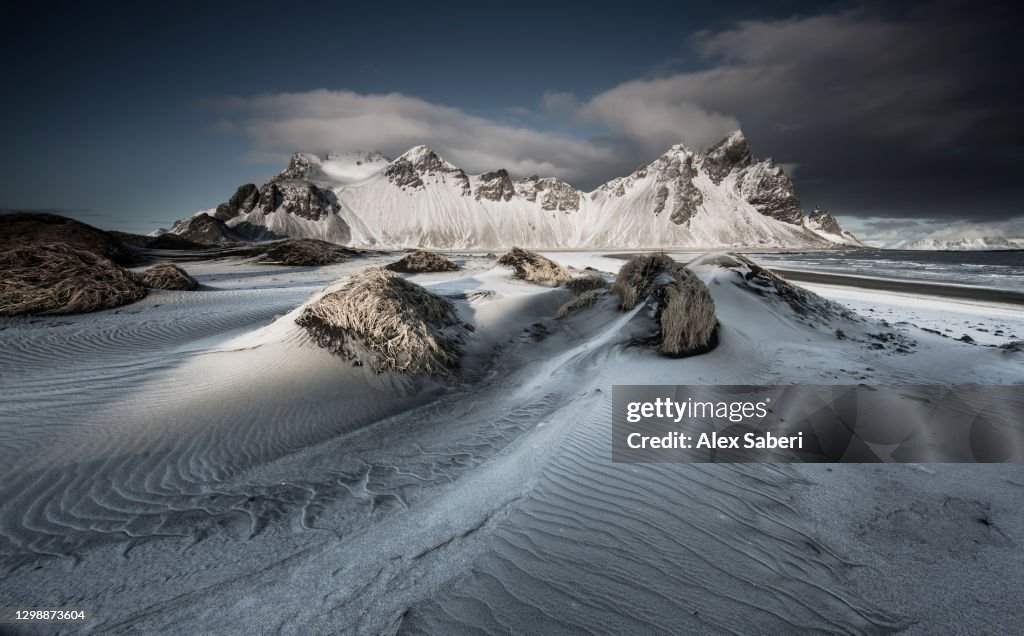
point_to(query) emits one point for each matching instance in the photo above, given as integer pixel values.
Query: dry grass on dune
(304, 252)
(686, 314)
(584, 300)
(167, 276)
(685, 309)
(59, 279)
(401, 326)
(534, 268)
(637, 277)
(805, 303)
(422, 261)
(587, 283)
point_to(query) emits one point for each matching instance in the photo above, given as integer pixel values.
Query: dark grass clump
(637, 277)
(685, 310)
(587, 283)
(686, 315)
(398, 325)
(304, 252)
(583, 301)
(422, 261)
(60, 279)
(34, 229)
(762, 281)
(534, 268)
(168, 276)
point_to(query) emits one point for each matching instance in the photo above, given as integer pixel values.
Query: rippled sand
(193, 462)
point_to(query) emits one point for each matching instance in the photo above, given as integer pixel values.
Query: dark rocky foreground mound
(60, 279)
(393, 324)
(422, 261)
(34, 229)
(167, 276)
(534, 268)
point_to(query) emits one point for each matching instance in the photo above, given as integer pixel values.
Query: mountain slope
(720, 198)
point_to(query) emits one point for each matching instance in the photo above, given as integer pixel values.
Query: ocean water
(999, 270)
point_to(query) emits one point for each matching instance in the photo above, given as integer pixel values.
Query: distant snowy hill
(824, 224)
(962, 245)
(720, 198)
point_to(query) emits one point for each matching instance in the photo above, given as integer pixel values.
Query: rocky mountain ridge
(722, 197)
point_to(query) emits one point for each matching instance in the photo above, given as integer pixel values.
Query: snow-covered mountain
(980, 243)
(719, 198)
(824, 224)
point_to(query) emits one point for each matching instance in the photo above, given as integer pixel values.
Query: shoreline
(984, 294)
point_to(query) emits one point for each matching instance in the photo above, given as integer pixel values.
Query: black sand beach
(910, 287)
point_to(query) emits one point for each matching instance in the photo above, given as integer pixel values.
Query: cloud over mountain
(883, 112)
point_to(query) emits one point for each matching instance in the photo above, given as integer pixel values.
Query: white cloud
(322, 121)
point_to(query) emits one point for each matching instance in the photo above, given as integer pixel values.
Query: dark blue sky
(113, 112)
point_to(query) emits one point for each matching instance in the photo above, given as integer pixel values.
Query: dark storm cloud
(917, 113)
(914, 114)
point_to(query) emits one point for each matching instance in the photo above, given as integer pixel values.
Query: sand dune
(200, 464)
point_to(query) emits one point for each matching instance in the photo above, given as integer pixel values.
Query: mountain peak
(732, 153)
(303, 165)
(677, 150)
(409, 168)
(426, 160)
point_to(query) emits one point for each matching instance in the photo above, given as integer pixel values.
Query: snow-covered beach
(193, 462)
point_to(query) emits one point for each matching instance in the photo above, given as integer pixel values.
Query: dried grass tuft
(422, 261)
(304, 252)
(805, 303)
(587, 283)
(686, 314)
(401, 326)
(168, 276)
(60, 279)
(636, 278)
(583, 301)
(534, 268)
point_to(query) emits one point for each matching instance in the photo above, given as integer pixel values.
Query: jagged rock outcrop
(303, 166)
(241, 202)
(301, 198)
(768, 188)
(824, 221)
(732, 153)
(763, 184)
(553, 194)
(205, 230)
(409, 169)
(672, 178)
(495, 186)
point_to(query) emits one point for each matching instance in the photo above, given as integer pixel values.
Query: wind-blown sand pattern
(195, 462)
